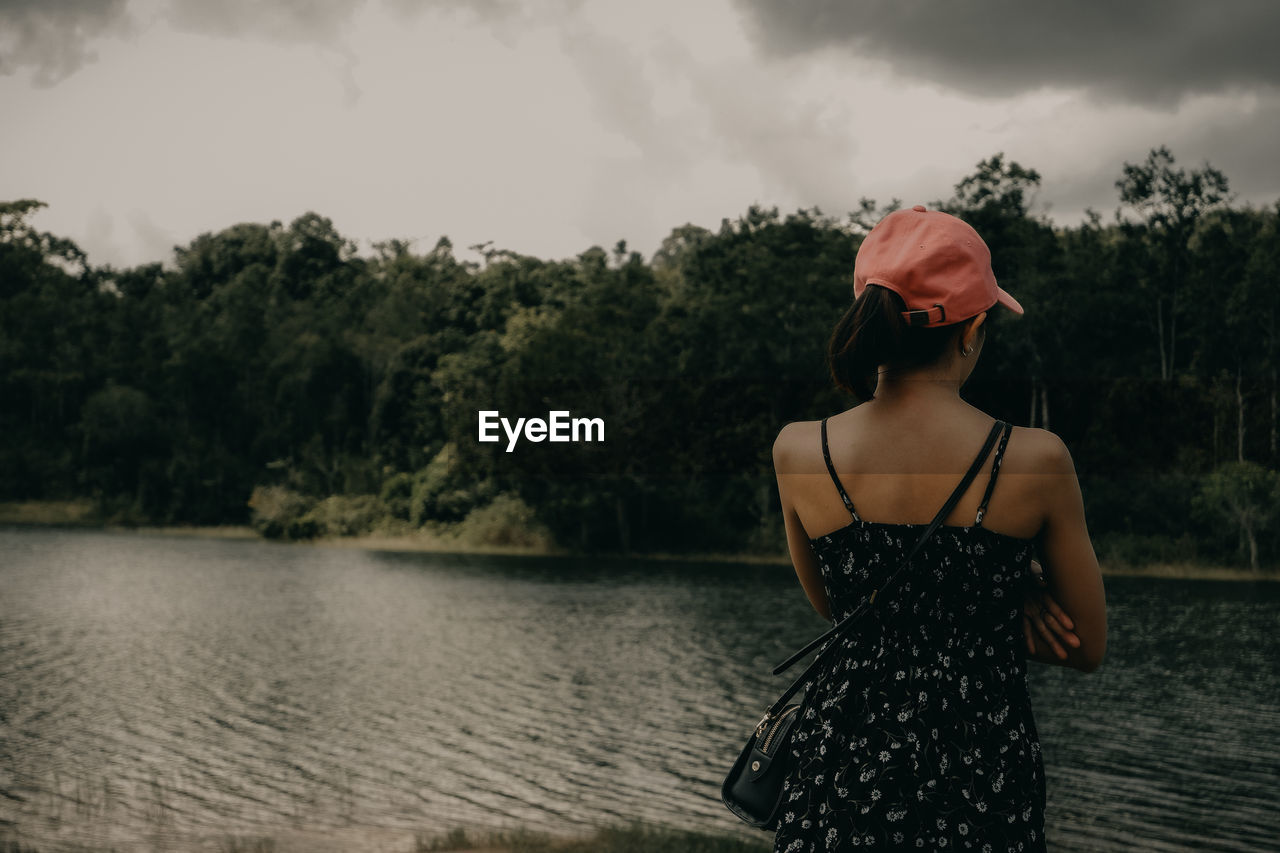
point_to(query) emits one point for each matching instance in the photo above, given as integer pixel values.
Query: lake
(169, 693)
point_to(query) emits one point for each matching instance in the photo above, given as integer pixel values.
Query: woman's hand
(1042, 616)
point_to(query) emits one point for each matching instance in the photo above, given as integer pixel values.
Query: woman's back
(921, 732)
(899, 459)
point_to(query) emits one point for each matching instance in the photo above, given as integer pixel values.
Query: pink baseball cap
(937, 263)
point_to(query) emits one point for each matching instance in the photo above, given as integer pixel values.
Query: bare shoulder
(1032, 450)
(793, 440)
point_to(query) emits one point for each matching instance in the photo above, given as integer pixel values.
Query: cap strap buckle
(925, 316)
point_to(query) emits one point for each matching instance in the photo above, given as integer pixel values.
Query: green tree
(1245, 494)
(1168, 202)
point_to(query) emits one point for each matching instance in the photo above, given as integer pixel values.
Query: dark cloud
(305, 21)
(1147, 51)
(51, 37)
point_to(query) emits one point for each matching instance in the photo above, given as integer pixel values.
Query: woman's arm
(802, 556)
(1070, 567)
(1047, 627)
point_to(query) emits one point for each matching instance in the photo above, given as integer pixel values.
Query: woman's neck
(923, 386)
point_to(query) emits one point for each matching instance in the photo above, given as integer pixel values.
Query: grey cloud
(1146, 51)
(740, 113)
(51, 37)
(800, 147)
(621, 95)
(1240, 148)
(306, 21)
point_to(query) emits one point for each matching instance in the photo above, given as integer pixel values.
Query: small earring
(967, 351)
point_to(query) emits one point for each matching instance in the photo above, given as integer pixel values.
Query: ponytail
(871, 333)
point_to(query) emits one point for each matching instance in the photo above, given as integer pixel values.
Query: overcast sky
(548, 126)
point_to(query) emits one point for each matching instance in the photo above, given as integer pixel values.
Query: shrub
(504, 521)
(277, 513)
(345, 515)
(442, 493)
(1136, 549)
(397, 494)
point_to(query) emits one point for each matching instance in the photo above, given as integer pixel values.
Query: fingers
(1058, 613)
(1057, 620)
(1040, 621)
(1059, 623)
(1029, 634)
(1050, 629)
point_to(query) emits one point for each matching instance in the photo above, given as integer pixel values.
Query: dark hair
(871, 333)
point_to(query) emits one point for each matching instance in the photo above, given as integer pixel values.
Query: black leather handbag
(753, 788)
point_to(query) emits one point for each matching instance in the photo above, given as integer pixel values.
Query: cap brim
(1003, 297)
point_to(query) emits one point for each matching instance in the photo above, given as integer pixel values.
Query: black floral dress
(919, 735)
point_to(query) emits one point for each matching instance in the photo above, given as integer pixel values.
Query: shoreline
(634, 837)
(77, 515)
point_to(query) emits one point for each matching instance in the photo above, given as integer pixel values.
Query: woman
(920, 735)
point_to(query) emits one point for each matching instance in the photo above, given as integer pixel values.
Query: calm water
(168, 694)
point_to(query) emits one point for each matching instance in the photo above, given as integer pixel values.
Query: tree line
(273, 374)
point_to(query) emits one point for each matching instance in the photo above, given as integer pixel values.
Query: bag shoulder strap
(826, 455)
(831, 634)
(995, 472)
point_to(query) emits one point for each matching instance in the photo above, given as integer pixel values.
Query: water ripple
(166, 691)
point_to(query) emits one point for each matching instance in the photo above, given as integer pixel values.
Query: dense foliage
(275, 366)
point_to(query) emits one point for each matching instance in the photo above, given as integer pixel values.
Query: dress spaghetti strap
(995, 471)
(826, 455)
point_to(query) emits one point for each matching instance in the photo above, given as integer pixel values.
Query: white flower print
(897, 690)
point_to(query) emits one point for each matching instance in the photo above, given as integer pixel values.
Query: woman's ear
(974, 333)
